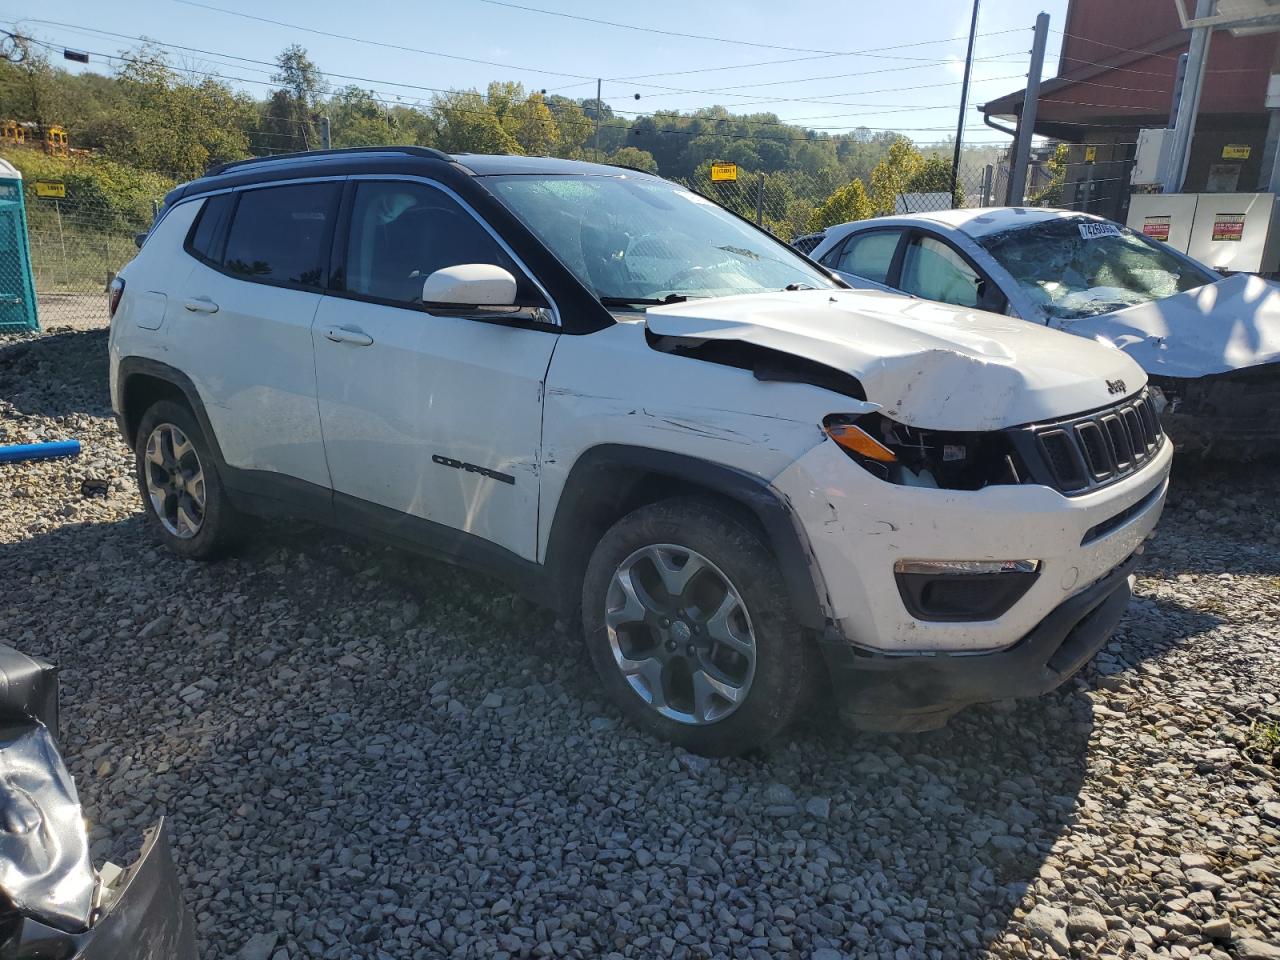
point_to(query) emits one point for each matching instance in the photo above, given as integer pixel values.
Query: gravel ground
(365, 754)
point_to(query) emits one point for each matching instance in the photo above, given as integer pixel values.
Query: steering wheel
(677, 279)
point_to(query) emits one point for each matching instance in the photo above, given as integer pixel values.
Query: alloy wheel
(175, 481)
(680, 634)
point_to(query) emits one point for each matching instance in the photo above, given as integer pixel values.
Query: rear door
(242, 326)
(868, 255)
(432, 423)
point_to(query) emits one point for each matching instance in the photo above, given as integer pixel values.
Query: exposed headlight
(911, 456)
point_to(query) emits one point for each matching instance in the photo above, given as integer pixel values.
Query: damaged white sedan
(1210, 345)
(731, 469)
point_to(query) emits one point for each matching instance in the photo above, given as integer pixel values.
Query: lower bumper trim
(901, 693)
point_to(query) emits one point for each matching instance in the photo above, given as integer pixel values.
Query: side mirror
(471, 286)
(139, 239)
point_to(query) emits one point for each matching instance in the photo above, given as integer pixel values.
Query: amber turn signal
(857, 440)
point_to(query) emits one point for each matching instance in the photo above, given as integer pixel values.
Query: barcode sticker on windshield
(1092, 231)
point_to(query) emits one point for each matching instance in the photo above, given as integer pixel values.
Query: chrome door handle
(355, 337)
(201, 305)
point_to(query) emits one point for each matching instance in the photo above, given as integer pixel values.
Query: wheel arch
(608, 481)
(144, 381)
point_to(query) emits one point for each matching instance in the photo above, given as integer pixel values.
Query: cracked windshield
(1071, 271)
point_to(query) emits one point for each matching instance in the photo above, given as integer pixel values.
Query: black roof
(490, 165)
(388, 159)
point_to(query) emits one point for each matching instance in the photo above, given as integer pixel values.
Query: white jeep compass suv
(648, 414)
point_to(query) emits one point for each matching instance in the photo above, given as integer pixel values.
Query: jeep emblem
(1115, 386)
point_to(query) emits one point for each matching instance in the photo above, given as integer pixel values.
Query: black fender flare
(599, 464)
(144, 366)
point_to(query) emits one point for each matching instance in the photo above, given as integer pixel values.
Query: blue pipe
(39, 451)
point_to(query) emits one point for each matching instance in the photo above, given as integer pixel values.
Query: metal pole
(1179, 78)
(1184, 127)
(964, 103)
(324, 133)
(1027, 120)
(66, 267)
(988, 182)
(597, 138)
(760, 201)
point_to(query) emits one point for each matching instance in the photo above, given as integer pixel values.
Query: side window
(281, 234)
(403, 232)
(934, 270)
(870, 255)
(209, 230)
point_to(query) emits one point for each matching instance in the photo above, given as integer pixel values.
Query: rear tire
(688, 622)
(182, 494)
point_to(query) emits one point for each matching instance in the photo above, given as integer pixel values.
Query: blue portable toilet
(17, 289)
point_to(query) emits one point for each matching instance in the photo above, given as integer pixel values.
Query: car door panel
(433, 417)
(247, 343)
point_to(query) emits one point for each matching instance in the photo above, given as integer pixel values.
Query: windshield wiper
(799, 286)
(643, 301)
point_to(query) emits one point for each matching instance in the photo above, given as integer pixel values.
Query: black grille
(1099, 448)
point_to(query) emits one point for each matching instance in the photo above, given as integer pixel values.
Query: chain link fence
(78, 243)
(785, 203)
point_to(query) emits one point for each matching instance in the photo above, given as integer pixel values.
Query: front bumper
(139, 915)
(857, 527)
(920, 692)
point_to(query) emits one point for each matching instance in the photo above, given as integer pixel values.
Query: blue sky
(840, 76)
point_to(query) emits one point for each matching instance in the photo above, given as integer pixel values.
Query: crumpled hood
(926, 364)
(1227, 325)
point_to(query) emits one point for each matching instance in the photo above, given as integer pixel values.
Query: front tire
(689, 625)
(182, 494)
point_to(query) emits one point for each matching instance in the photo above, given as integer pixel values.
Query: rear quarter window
(210, 228)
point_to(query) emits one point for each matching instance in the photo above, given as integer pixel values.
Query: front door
(426, 417)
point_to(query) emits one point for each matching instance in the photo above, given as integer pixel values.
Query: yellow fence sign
(724, 172)
(1236, 151)
(51, 189)
(1090, 154)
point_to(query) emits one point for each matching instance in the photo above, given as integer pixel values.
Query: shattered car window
(1072, 269)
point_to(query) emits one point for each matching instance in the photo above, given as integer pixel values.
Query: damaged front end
(53, 904)
(1230, 415)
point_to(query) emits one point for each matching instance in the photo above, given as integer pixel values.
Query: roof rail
(429, 153)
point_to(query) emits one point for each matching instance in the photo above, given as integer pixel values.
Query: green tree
(174, 127)
(847, 204)
(634, 158)
(358, 119)
(289, 117)
(893, 175)
(466, 123)
(1051, 195)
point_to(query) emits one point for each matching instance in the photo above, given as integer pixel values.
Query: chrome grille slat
(1086, 452)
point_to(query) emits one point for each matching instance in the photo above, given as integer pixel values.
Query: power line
(727, 40)
(628, 129)
(821, 100)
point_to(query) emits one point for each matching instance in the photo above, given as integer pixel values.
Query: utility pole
(324, 132)
(1027, 119)
(964, 103)
(598, 108)
(1184, 127)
